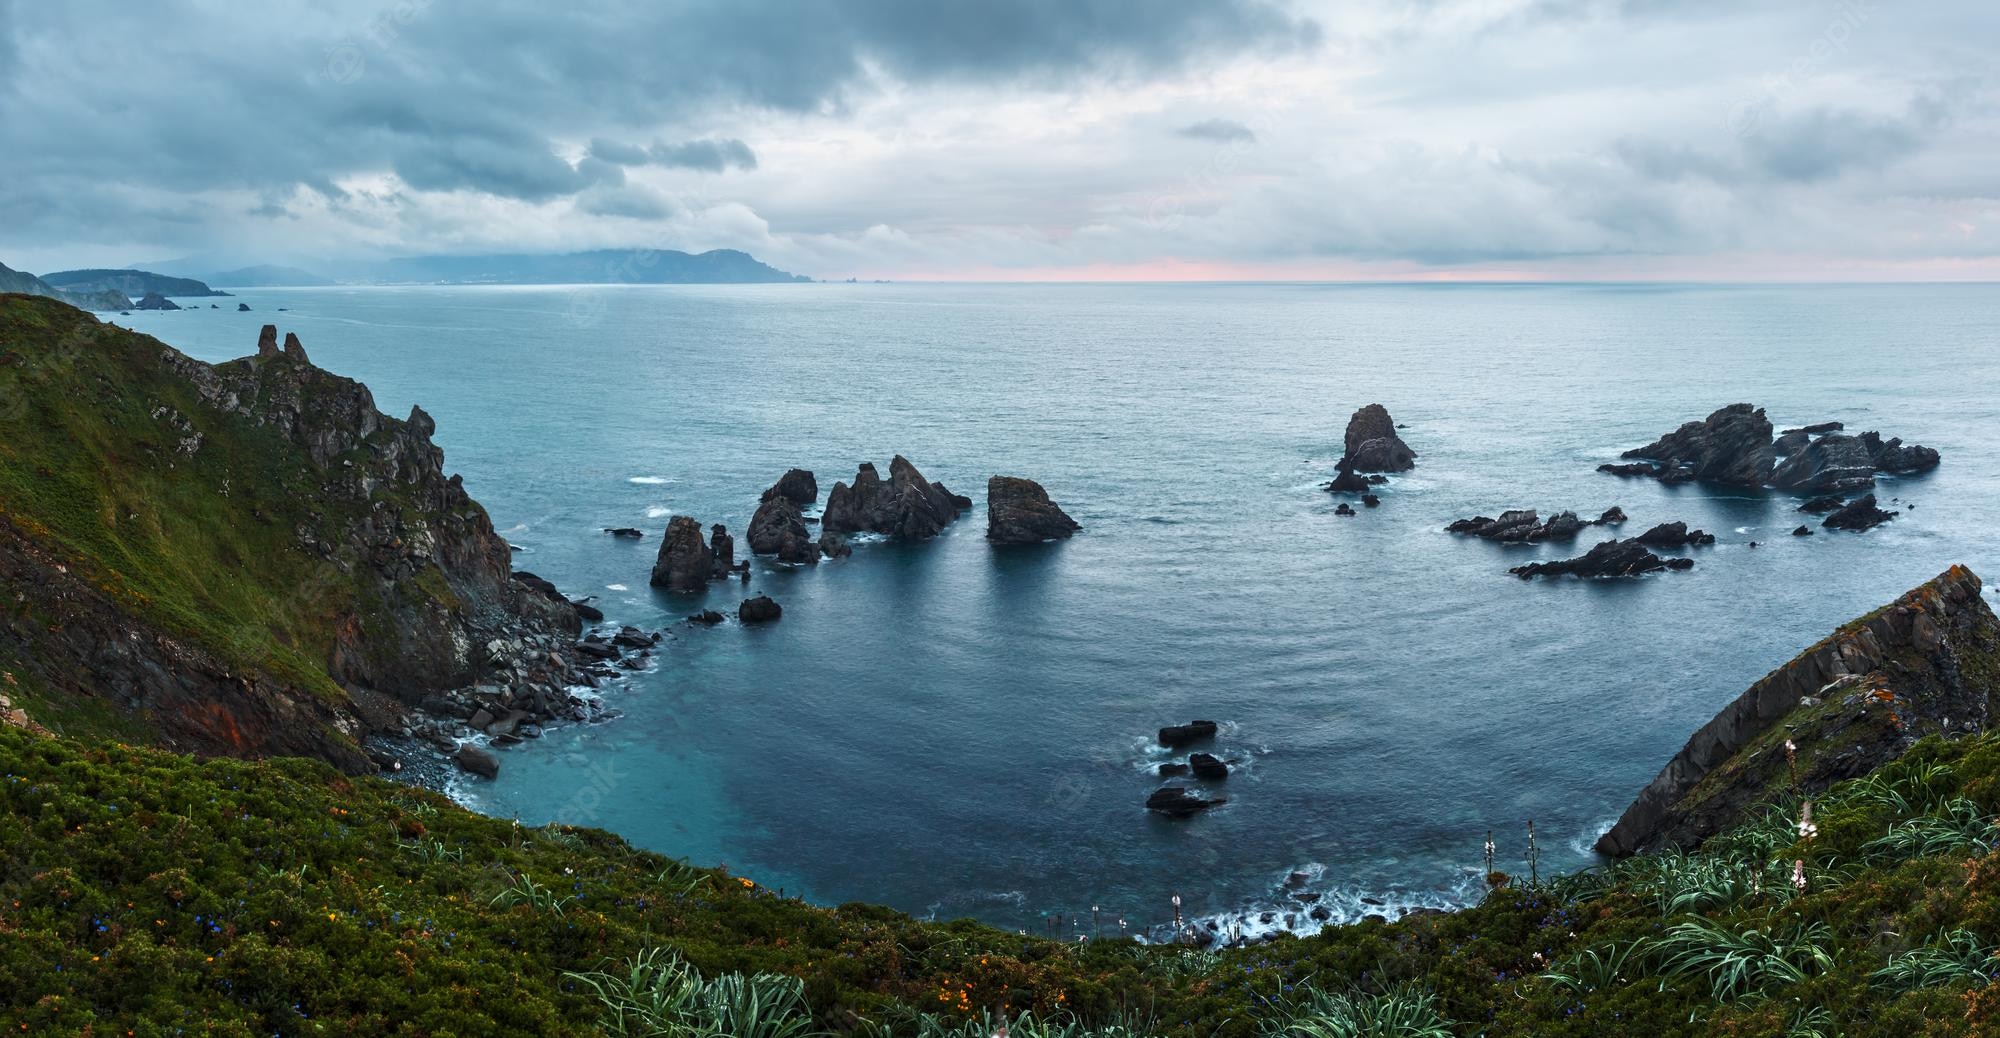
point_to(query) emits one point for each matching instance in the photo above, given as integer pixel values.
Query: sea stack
(1372, 444)
(685, 562)
(1018, 511)
(907, 505)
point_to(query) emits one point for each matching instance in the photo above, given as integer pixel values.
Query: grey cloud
(1224, 130)
(1824, 143)
(630, 200)
(711, 156)
(618, 152)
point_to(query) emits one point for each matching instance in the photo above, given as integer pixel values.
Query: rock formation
(723, 548)
(155, 301)
(1859, 514)
(1018, 511)
(1627, 558)
(1175, 736)
(779, 529)
(1180, 802)
(685, 562)
(1734, 446)
(907, 505)
(1856, 700)
(759, 610)
(796, 486)
(1372, 445)
(1525, 526)
(1674, 535)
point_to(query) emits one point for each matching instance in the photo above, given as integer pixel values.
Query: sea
(957, 729)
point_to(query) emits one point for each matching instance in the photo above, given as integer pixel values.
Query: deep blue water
(954, 729)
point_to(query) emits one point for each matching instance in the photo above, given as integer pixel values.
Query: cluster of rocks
(906, 505)
(1735, 445)
(1626, 558)
(1862, 513)
(1180, 801)
(779, 526)
(1371, 446)
(1018, 511)
(688, 561)
(1526, 526)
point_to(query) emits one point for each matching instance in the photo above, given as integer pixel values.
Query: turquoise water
(958, 730)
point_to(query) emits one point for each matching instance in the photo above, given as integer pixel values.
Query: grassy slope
(147, 890)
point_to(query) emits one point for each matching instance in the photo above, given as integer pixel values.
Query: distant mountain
(602, 266)
(21, 281)
(130, 282)
(266, 275)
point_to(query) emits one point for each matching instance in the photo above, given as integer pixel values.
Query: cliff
(128, 282)
(1927, 663)
(245, 558)
(20, 281)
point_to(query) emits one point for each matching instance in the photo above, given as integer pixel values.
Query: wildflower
(1807, 830)
(1799, 875)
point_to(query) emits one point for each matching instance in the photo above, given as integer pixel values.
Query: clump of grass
(1404, 1011)
(1742, 964)
(1952, 957)
(655, 993)
(525, 891)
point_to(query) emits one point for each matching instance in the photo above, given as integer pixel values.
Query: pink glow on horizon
(1732, 268)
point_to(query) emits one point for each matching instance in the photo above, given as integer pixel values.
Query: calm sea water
(955, 730)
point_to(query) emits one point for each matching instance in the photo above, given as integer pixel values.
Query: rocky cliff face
(1927, 663)
(245, 558)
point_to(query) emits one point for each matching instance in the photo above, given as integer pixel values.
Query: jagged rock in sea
(1627, 558)
(778, 528)
(1802, 531)
(1525, 525)
(1821, 505)
(759, 610)
(1180, 802)
(1207, 766)
(1674, 535)
(685, 561)
(626, 532)
(1925, 664)
(155, 301)
(1734, 446)
(1018, 511)
(1347, 481)
(723, 548)
(243, 308)
(907, 505)
(706, 618)
(1175, 736)
(1371, 500)
(1859, 514)
(797, 486)
(383, 586)
(833, 545)
(1371, 443)
(1345, 509)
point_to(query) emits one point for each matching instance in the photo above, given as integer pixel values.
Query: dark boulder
(779, 529)
(1175, 736)
(477, 761)
(723, 548)
(706, 618)
(1018, 511)
(1803, 531)
(1674, 535)
(1371, 500)
(536, 584)
(759, 610)
(243, 308)
(589, 613)
(833, 545)
(685, 562)
(626, 532)
(1834, 463)
(1628, 558)
(634, 638)
(1895, 456)
(1669, 476)
(1179, 802)
(797, 486)
(1346, 481)
(1344, 509)
(1611, 517)
(907, 505)
(598, 650)
(1208, 766)
(1172, 769)
(1818, 430)
(1822, 505)
(1372, 445)
(1859, 514)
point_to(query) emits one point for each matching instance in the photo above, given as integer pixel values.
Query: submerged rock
(1179, 802)
(1628, 558)
(1852, 702)
(1175, 736)
(1018, 511)
(907, 505)
(626, 532)
(1859, 514)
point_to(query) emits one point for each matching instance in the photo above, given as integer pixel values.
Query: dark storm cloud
(1223, 130)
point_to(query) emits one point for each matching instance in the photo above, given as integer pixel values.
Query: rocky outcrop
(1371, 443)
(1856, 700)
(685, 562)
(833, 546)
(155, 301)
(380, 586)
(1734, 446)
(1859, 514)
(723, 548)
(759, 610)
(1525, 526)
(906, 505)
(1175, 736)
(1627, 558)
(796, 486)
(629, 533)
(1674, 535)
(779, 529)
(1822, 505)
(1018, 511)
(1180, 802)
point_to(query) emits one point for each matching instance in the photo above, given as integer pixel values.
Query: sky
(1026, 140)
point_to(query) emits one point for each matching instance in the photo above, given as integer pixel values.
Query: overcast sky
(1039, 139)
